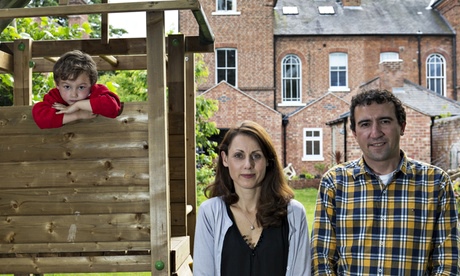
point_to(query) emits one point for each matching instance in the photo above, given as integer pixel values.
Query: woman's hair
(275, 191)
(74, 63)
(379, 97)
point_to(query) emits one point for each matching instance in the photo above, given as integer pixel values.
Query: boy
(76, 95)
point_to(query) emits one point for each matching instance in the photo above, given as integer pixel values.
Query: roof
(420, 99)
(426, 101)
(10, 4)
(373, 17)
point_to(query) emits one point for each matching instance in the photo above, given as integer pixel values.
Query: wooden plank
(180, 250)
(46, 249)
(185, 269)
(158, 143)
(75, 228)
(190, 138)
(129, 263)
(18, 120)
(178, 213)
(21, 148)
(75, 173)
(68, 200)
(100, 8)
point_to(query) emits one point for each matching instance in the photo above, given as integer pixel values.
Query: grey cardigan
(213, 223)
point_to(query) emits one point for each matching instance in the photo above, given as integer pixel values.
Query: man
(384, 214)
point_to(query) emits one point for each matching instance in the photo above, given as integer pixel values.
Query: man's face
(378, 133)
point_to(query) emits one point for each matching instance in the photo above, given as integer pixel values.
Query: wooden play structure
(103, 195)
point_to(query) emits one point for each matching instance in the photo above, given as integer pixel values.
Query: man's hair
(379, 97)
(74, 63)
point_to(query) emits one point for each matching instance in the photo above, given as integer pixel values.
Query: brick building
(302, 60)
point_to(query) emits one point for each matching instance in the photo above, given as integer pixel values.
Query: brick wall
(316, 115)
(450, 9)
(235, 106)
(446, 132)
(251, 32)
(363, 60)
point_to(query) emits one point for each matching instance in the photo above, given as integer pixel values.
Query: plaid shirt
(408, 227)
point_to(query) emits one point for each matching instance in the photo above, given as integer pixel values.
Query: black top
(269, 257)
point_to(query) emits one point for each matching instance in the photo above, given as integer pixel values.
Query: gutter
(285, 122)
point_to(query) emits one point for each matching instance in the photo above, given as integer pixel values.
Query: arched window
(436, 74)
(291, 79)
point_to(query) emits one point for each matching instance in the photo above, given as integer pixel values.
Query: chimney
(76, 19)
(351, 3)
(391, 74)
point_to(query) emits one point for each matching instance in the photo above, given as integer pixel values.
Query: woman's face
(246, 162)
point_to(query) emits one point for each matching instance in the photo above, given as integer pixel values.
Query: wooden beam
(160, 232)
(100, 8)
(6, 62)
(93, 47)
(134, 62)
(110, 60)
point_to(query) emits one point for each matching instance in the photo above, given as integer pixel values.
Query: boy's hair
(72, 64)
(379, 97)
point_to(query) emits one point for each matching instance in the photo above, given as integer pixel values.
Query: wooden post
(176, 104)
(190, 138)
(158, 145)
(22, 91)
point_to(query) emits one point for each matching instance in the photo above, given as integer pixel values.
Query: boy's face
(76, 90)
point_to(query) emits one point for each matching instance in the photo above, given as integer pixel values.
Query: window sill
(291, 104)
(339, 89)
(226, 13)
(313, 158)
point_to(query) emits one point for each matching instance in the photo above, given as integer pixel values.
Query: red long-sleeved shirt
(102, 100)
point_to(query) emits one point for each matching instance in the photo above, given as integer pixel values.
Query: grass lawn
(308, 198)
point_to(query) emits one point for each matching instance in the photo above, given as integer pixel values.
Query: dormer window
(326, 10)
(290, 10)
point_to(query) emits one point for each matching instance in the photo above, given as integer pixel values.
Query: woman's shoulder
(212, 203)
(296, 206)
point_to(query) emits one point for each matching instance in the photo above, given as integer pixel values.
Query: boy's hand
(64, 109)
(83, 114)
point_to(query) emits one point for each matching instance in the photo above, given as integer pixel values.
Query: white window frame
(312, 139)
(294, 61)
(389, 56)
(338, 62)
(227, 67)
(232, 11)
(440, 78)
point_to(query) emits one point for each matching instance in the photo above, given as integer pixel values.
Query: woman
(250, 225)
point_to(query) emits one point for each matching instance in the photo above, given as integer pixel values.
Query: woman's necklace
(252, 223)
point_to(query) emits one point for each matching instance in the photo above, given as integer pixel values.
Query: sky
(135, 22)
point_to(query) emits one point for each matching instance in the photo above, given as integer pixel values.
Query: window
(313, 144)
(291, 80)
(338, 63)
(226, 5)
(226, 65)
(436, 74)
(389, 56)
